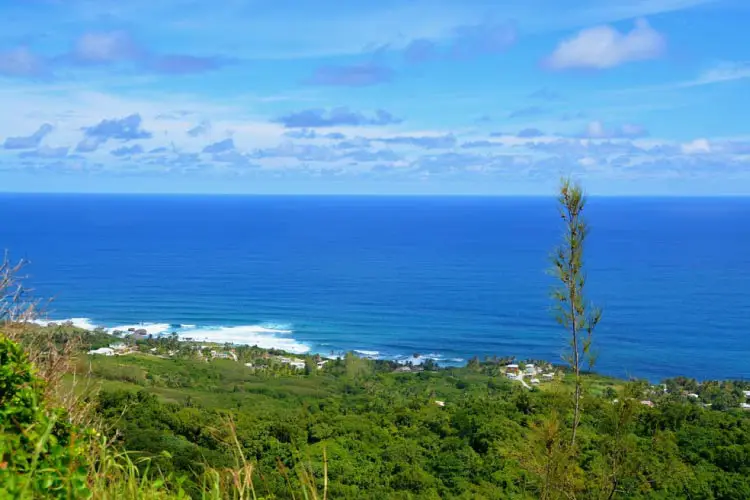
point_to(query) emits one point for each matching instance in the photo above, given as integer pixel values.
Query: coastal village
(530, 375)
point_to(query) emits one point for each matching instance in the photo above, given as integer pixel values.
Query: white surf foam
(262, 336)
(82, 323)
(418, 360)
(267, 336)
(151, 328)
(369, 354)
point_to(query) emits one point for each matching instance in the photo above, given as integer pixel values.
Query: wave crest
(267, 336)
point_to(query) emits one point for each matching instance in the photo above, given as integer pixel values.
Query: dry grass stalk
(53, 351)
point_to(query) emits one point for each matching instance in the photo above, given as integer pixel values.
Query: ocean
(397, 277)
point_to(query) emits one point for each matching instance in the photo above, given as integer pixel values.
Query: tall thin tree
(571, 309)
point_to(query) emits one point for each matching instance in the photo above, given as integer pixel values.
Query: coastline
(264, 335)
(272, 336)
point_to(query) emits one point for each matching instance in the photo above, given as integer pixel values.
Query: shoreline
(264, 335)
(531, 374)
(280, 336)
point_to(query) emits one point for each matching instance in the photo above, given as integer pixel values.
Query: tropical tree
(571, 308)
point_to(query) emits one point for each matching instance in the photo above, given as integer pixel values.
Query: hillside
(382, 432)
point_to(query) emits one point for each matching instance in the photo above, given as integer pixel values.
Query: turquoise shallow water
(444, 277)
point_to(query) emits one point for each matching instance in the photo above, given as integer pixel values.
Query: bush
(39, 453)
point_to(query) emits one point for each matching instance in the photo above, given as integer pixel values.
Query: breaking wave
(267, 336)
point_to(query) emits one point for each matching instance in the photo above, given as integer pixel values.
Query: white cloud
(696, 146)
(104, 47)
(724, 72)
(597, 130)
(605, 47)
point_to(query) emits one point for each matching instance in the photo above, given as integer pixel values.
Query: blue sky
(376, 97)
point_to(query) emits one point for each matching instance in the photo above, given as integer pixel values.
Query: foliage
(572, 311)
(39, 452)
(384, 436)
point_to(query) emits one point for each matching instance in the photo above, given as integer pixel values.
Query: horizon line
(358, 195)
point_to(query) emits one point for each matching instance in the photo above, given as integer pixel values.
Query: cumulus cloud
(737, 147)
(584, 147)
(597, 130)
(605, 47)
(304, 133)
(30, 141)
(220, 147)
(233, 157)
(88, 144)
(124, 129)
(364, 155)
(202, 128)
(426, 142)
(355, 75)
(301, 152)
(21, 62)
(135, 149)
(307, 133)
(105, 48)
(696, 146)
(341, 116)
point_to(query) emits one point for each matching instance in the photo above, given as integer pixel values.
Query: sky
(631, 97)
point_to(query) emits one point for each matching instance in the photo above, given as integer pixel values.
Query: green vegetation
(382, 433)
(572, 311)
(385, 435)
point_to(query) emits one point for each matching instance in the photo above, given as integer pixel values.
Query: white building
(530, 370)
(103, 351)
(296, 363)
(224, 355)
(534, 381)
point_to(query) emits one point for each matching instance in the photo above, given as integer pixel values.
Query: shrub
(40, 454)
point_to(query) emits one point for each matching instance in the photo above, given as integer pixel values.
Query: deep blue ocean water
(392, 276)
